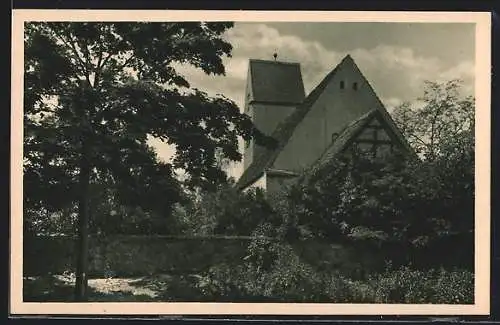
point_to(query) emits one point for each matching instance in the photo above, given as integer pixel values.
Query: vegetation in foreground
(224, 283)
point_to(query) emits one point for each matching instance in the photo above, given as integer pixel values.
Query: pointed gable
(372, 129)
(275, 82)
(343, 98)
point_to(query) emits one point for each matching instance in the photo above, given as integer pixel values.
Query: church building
(342, 111)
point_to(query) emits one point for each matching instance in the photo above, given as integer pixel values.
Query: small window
(355, 86)
(342, 85)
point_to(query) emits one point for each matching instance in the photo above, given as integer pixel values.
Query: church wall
(331, 112)
(277, 183)
(247, 154)
(248, 145)
(266, 117)
(261, 182)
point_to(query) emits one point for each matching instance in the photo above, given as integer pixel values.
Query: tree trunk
(83, 229)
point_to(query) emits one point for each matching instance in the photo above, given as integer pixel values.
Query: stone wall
(144, 255)
(130, 255)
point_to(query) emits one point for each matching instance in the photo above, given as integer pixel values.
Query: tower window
(342, 85)
(355, 86)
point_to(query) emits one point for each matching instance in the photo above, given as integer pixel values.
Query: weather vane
(275, 55)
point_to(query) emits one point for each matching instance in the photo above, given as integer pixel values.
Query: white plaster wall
(277, 183)
(331, 112)
(267, 116)
(259, 183)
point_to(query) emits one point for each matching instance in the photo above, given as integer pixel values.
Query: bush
(406, 285)
(272, 271)
(398, 207)
(225, 211)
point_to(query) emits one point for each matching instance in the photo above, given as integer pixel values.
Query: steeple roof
(276, 82)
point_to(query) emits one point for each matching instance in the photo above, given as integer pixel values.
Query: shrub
(272, 271)
(225, 211)
(406, 285)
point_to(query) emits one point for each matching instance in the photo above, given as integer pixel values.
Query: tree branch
(98, 69)
(106, 60)
(418, 139)
(127, 61)
(86, 63)
(71, 44)
(75, 53)
(121, 67)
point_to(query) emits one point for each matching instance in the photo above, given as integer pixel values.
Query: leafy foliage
(96, 92)
(287, 278)
(384, 203)
(110, 86)
(224, 212)
(445, 119)
(399, 204)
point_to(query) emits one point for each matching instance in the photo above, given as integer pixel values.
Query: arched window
(342, 85)
(355, 85)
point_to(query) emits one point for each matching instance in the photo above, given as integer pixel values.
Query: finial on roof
(275, 55)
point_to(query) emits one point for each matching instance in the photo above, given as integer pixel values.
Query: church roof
(276, 82)
(285, 129)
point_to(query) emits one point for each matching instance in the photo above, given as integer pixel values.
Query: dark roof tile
(274, 81)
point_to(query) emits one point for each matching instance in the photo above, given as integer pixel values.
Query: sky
(396, 58)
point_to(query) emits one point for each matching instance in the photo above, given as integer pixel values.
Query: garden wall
(143, 255)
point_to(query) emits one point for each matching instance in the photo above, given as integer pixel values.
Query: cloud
(391, 103)
(259, 41)
(397, 73)
(465, 71)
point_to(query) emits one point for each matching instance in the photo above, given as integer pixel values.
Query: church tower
(274, 89)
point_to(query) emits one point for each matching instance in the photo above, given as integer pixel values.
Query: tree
(444, 117)
(94, 92)
(443, 131)
(409, 204)
(226, 211)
